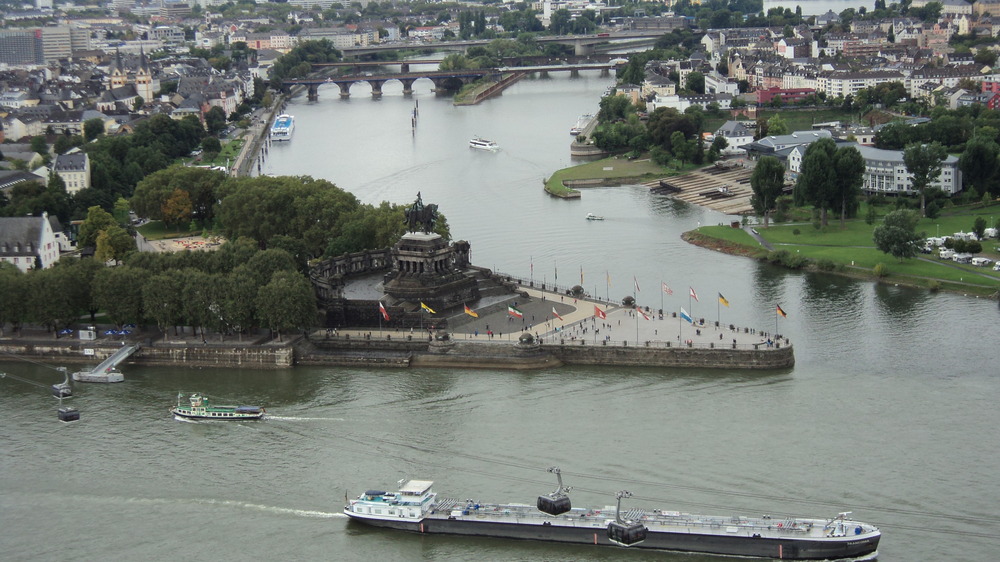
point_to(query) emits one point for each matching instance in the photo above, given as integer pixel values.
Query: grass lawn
(613, 168)
(227, 157)
(156, 230)
(852, 249)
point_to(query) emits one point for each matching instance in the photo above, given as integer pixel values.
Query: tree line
(231, 291)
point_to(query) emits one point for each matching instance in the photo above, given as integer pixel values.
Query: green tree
(817, 182)
(849, 171)
(897, 235)
(113, 243)
(14, 288)
(39, 145)
(979, 227)
(776, 125)
(767, 182)
(215, 120)
(97, 220)
(211, 145)
(923, 161)
(286, 303)
(93, 128)
(177, 209)
(118, 292)
(162, 301)
(695, 82)
(978, 162)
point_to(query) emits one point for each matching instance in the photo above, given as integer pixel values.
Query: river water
(890, 411)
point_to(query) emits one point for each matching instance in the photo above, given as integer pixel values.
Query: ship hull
(231, 417)
(789, 549)
(100, 377)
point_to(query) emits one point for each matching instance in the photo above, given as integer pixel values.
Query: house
(30, 242)
(737, 134)
(779, 146)
(885, 172)
(74, 169)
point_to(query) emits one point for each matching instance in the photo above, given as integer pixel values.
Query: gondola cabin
(624, 534)
(62, 390)
(554, 504)
(69, 414)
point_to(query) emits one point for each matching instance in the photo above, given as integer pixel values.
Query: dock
(724, 188)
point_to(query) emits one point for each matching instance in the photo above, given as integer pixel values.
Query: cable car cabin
(69, 414)
(62, 390)
(626, 535)
(554, 504)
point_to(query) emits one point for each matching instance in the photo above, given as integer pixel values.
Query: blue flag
(686, 316)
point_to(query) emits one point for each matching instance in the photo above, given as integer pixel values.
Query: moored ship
(581, 124)
(199, 408)
(415, 507)
(283, 127)
(483, 144)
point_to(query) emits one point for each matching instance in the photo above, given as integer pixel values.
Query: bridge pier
(574, 73)
(581, 50)
(376, 87)
(404, 68)
(313, 92)
(605, 72)
(345, 89)
(407, 85)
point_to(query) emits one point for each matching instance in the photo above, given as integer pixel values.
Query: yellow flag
(427, 308)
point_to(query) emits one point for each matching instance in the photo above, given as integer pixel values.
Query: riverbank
(848, 259)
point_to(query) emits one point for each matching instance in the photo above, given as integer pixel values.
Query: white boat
(283, 127)
(581, 124)
(593, 217)
(483, 144)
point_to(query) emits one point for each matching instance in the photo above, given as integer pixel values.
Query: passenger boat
(200, 409)
(483, 144)
(415, 507)
(283, 127)
(581, 124)
(593, 217)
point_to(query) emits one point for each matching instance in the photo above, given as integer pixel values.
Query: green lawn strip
(156, 230)
(730, 234)
(616, 168)
(230, 151)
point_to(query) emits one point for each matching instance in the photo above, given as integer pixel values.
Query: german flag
(471, 312)
(781, 312)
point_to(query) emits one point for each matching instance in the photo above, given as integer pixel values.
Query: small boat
(593, 217)
(483, 144)
(581, 124)
(200, 409)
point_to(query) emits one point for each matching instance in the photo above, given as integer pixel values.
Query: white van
(981, 262)
(946, 254)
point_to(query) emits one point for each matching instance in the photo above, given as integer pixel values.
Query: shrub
(796, 231)
(880, 270)
(825, 265)
(934, 285)
(796, 261)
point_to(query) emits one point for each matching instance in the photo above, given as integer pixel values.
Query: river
(888, 413)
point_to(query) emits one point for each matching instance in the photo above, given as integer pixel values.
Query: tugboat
(200, 409)
(415, 507)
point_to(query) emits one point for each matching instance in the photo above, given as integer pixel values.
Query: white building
(29, 242)
(737, 134)
(885, 172)
(74, 169)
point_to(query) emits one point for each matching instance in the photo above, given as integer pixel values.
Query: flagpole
(661, 293)
(718, 310)
(635, 299)
(607, 283)
(776, 320)
(531, 261)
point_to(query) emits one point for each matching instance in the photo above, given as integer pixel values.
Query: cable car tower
(557, 502)
(624, 532)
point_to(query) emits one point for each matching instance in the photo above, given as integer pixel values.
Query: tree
(177, 209)
(923, 161)
(979, 227)
(286, 303)
(118, 292)
(978, 162)
(849, 170)
(817, 184)
(211, 145)
(97, 220)
(39, 145)
(695, 82)
(897, 235)
(776, 125)
(679, 146)
(14, 288)
(93, 128)
(113, 243)
(767, 181)
(215, 120)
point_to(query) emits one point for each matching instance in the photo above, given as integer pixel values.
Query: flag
(556, 314)
(581, 275)
(385, 313)
(427, 308)
(471, 312)
(644, 315)
(723, 300)
(599, 313)
(608, 273)
(686, 316)
(666, 289)
(781, 312)
(636, 283)
(514, 312)
(694, 295)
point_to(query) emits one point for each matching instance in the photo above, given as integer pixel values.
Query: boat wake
(308, 513)
(297, 418)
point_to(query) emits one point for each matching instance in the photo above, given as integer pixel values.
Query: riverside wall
(266, 356)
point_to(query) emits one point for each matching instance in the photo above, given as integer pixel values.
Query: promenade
(576, 321)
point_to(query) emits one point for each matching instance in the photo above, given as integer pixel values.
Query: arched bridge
(440, 79)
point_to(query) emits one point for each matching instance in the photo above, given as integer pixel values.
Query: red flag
(666, 289)
(556, 314)
(644, 315)
(385, 313)
(694, 295)
(599, 313)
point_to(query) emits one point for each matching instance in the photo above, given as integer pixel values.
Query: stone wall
(215, 355)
